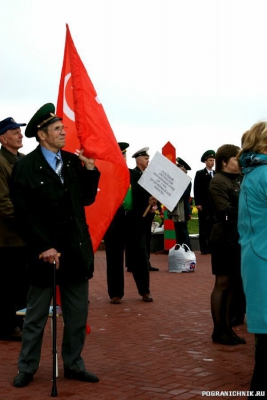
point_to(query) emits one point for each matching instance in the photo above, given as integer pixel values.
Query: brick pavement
(145, 351)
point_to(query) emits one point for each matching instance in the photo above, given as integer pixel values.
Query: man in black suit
(137, 258)
(201, 195)
(114, 240)
(127, 232)
(180, 220)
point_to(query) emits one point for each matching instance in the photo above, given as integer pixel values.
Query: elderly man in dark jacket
(142, 161)
(136, 227)
(50, 188)
(12, 246)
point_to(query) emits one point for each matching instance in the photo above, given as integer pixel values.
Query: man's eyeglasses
(59, 129)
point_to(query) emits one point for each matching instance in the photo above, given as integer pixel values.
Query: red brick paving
(146, 351)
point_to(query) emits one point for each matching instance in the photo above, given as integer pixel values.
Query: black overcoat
(140, 202)
(52, 215)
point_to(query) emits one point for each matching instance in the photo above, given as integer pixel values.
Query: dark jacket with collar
(9, 236)
(201, 188)
(51, 215)
(224, 194)
(140, 200)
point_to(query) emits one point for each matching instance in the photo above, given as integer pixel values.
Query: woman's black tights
(221, 299)
(259, 377)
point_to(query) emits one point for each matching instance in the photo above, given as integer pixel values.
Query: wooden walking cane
(54, 351)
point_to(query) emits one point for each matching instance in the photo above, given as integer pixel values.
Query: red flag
(88, 128)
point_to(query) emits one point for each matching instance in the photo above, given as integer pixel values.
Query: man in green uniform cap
(201, 195)
(50, 189)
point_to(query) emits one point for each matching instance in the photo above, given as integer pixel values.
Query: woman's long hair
(255, 139)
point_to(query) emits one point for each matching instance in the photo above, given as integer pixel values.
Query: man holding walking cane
(50, 188)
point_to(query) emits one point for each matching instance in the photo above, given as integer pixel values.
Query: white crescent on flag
(66, 109)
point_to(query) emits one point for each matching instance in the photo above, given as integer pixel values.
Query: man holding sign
(136, 233)
(142, 161)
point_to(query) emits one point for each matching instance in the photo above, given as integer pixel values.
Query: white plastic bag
(181, 259)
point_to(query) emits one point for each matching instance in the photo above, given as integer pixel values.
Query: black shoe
(16, 336)
(115, 300)
(147, 298)
(224, 339)
(239, 339)
(237, 321)
(84, 376)
(10, 338)
(22, 379)
(153, 268)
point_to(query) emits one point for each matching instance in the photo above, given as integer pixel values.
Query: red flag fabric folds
(88, 128)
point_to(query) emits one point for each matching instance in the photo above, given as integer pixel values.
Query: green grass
(193, 226)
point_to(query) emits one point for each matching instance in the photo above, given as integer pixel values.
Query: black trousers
(181, 233)
(137, 253)
(259, 381)
(13, 287)
(114, 243)
(126, 234)
(147, 227)
(205, 226)
(74, 304)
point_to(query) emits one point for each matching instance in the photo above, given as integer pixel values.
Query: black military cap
(207, 154)
(123, 146)
(42, 118)
(9, 123)
(141, 152)
(182, 163)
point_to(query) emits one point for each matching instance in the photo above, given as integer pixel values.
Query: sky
(189, 72)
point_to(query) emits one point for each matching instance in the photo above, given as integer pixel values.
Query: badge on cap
(141, 152)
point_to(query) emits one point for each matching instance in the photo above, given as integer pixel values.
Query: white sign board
(164, 180)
